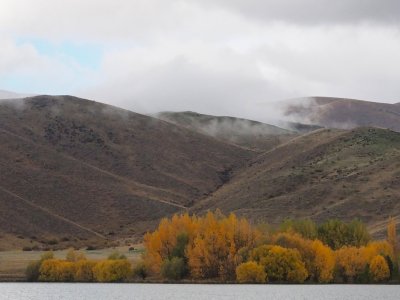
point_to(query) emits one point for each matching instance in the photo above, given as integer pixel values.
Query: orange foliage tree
(213, 252)
(212, 243)
(250, 272)
(161, 243)
(323, 263)
(351, 262)
(379, 269)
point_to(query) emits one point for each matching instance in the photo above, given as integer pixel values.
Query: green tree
(182, 240)
(305, 227)
(173, 269)
(336, 234)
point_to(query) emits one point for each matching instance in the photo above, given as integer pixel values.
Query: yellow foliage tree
(214, 251)
(161, 243)
(112, 270)
(323, 264)
(351, 262)
(212, 243)
(318, 258)
(56, 270)
(251, 272)
(379, 269)
(282, 264)
(378, 248)
(84, 271)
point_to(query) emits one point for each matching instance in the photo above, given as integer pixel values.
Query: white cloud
(222, 57)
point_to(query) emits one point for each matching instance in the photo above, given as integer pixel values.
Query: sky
(223, 57)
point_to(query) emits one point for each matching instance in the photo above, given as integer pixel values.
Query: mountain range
(75, 172)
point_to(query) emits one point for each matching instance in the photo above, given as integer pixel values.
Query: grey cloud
(180, 86)
(315, 11)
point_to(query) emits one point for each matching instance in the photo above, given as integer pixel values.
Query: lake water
(66, 291)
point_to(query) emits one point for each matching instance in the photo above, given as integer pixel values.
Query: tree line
(228, 249)
(77, 268)
(220, 248)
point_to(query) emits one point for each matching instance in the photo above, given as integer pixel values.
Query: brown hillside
(76, 168)
(324, 174)
(345, 113)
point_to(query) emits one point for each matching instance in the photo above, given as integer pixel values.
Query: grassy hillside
(77, 169)
(246, 133)
(324, 174)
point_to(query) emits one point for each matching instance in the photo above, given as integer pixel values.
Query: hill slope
(344, 113)
(246, 133)
(324, 174)
(76, 168)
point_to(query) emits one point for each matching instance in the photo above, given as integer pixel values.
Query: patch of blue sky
(79, 61)
(85, 54)
(22, 83)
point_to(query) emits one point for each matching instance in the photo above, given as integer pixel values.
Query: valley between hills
(75, 172)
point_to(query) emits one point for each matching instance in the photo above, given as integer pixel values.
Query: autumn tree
(214, 251)
(351, 262)
(318, 258)
(112, 270)
(251, 272)
(84, 270)
(323, 263)
(56, 270)
(282, 264)
(162, 243)
(379, 269)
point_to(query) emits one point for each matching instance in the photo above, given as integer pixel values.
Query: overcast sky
(226, 57)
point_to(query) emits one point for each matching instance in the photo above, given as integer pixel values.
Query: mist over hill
(10, 95)
(247, 133)
(343, 113)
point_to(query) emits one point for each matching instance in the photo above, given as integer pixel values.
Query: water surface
(73, 291)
